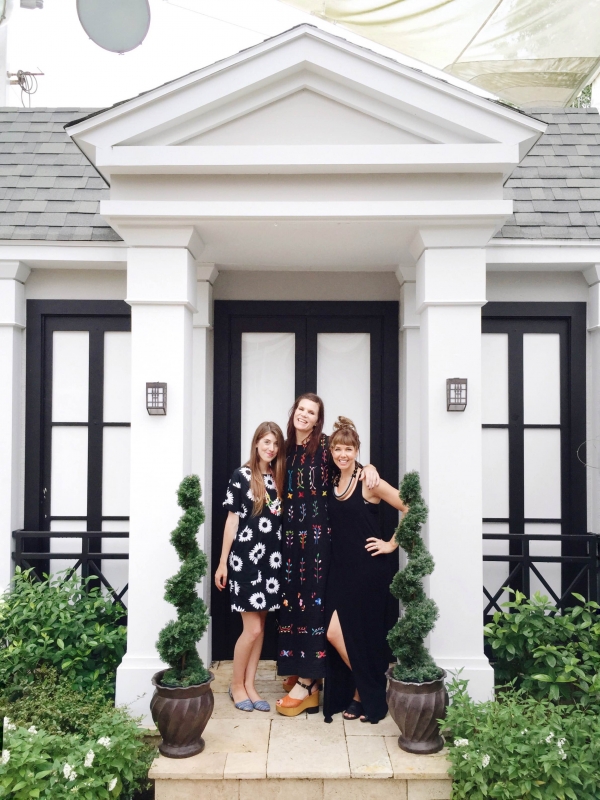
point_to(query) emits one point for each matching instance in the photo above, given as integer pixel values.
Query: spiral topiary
(415, 664)
(176, 643)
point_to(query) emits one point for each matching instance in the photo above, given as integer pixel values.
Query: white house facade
(304, 216)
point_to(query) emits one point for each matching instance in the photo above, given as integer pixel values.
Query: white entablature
(257, 160)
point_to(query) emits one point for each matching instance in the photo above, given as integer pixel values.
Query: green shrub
(177, 640)
(548, 653)
(111, 762)
(58, 623)
(521, 748)
(406, 638)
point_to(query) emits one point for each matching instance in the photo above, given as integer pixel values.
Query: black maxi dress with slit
(358, 589)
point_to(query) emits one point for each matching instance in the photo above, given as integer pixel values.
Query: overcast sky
(79, 73)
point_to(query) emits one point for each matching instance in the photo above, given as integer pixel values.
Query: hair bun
(343, 422)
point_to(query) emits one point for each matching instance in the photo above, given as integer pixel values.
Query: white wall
(538, 287)
(76, 284)
(251, 285)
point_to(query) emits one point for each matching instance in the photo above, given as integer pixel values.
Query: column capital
(592, 274)
(206, 272)
(13, 275)
(14, 270)
(161, 276)
(406, 275)
(451, 277)
(457, 236)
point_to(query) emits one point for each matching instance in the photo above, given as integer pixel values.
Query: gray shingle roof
(556, 187)
(49, 191)
(48, 188)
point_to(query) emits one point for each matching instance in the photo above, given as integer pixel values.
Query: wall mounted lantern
(456, 394)
(156, 398)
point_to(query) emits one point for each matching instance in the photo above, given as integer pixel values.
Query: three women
(303, 560)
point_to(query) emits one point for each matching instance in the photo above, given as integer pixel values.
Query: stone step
(264, 756)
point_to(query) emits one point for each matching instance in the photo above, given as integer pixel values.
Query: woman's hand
(378, 547)
(370, 475)
(221, 577)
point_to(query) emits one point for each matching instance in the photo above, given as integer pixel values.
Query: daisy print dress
(254, 562)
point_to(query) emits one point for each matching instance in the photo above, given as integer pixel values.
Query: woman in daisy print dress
(251, 556)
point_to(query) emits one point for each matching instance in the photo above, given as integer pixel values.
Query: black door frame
(43, 318)
(568, 320)
(306, 319)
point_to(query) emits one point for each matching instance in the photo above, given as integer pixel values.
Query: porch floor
(262, 756)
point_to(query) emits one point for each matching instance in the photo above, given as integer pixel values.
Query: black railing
(579, 561)
(32, 551)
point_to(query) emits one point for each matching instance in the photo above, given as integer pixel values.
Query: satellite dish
(115, 25)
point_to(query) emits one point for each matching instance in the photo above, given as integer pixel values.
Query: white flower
(485, 761)
(275, 560)
(89, 759)
(461, 742)
(245, 535)
(272, 585)
(237, 485)
(112, 784)
(5, 756)
(524, 731)
(561, 742)
(264, 525)
(32, 729)
(236, 608)
(466, 756)
(243, 513)
(104, 741)
(228, 499)
(258, 579)
(257, 552)
(549, 738)
(235, 562)
(279, 533)
(69, 772)
(249, 494)
(9, 725)
(269, 482)
(245, 471)
(234, 587)
(258, 601)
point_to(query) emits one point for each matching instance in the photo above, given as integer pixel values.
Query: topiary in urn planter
(416, 695)
(183, 700)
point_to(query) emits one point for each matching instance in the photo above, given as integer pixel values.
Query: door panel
(266, 354)
(533, 404)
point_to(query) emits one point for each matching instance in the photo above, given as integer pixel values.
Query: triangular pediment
(305, 118)
(306, 87)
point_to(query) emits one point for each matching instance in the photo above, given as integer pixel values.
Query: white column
(450, 293)
(202, 419)
(592, 275)
(410, 377)
(161, 289)
(13, 275)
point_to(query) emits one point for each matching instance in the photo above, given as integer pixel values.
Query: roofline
(395, 62)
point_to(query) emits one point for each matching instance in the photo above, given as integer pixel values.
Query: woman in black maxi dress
(361, 568)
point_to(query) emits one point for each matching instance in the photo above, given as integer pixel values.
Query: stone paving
(264, 756)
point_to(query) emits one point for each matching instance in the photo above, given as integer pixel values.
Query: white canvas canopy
(527, 52)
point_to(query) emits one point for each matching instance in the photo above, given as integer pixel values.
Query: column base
(477, 671)
(134, 686)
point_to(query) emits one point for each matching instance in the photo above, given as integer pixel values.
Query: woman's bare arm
(231, 526)
(390, 495)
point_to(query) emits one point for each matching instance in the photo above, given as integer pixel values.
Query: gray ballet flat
(243, 705)
(261, 705)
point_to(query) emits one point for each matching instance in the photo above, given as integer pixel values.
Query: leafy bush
(548, 653)
(177, 640)
(521, 748)
(406, 638)
(112, 762)
(59, 623)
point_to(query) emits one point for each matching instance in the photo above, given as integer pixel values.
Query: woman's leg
(335, 637)
(253, 623)
(254, 659)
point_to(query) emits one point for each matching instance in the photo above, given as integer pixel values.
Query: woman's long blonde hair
(257, 484)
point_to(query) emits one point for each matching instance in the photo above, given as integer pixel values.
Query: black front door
(267, 353)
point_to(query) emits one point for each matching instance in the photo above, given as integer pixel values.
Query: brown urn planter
(181, 715)
(416, 708)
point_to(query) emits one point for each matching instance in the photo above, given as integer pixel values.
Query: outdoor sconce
(156, 398)
(456, 393)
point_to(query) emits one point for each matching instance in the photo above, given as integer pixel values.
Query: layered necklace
(336, 481)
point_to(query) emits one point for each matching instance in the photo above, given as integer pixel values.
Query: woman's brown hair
(315, 435)
(344, 432)
(257, 484)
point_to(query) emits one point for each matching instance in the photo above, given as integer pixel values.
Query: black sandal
(365, 718)
(354, 710)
